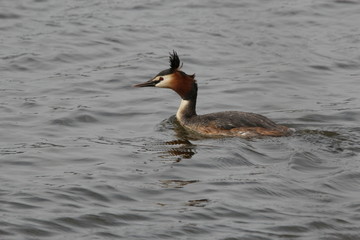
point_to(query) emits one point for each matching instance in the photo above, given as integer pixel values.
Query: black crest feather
(174, 60)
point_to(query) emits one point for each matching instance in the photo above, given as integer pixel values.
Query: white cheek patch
(165, 83)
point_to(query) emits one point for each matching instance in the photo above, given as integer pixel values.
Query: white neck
(186, 110)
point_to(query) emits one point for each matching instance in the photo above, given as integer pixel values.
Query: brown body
(230, 123)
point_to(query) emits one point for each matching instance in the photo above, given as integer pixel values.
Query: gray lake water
(83, 155)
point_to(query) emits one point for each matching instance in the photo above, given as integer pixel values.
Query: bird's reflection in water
(180, 147)
(183, 149)
(175, 183)
(167, 150)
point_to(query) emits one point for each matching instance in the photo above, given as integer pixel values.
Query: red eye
(161, 78)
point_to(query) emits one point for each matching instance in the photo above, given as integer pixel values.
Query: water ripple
(86, 156)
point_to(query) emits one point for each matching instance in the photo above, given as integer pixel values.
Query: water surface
(83, 155)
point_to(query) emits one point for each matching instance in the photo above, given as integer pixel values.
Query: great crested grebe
(229, 123)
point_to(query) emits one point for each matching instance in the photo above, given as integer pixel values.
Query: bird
(219, 124)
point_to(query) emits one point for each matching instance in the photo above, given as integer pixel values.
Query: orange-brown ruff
(230, 123)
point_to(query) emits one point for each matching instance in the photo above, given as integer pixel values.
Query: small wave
(74, 120)
(9, 16)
